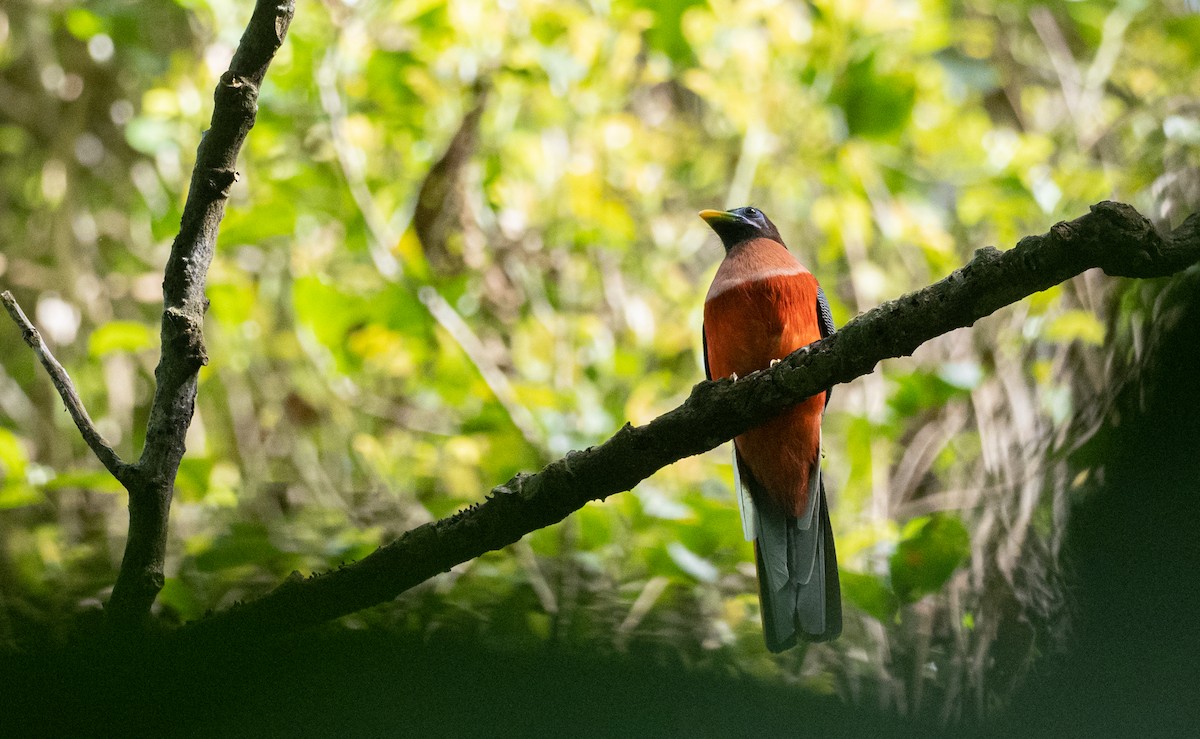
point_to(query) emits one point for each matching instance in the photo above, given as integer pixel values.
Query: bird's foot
(775, 362)
(733, 377)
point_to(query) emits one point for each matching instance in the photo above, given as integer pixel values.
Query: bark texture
(151, 481)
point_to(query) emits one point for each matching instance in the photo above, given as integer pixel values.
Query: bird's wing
(824, 317)
(704, 344)
(825, 323)
(819, 603)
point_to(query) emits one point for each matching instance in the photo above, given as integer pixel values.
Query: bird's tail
(797, 576)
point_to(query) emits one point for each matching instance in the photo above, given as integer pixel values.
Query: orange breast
(747, 323)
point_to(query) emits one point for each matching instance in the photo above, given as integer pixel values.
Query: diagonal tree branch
(1113, 236)
(152, 482)
(66, 390)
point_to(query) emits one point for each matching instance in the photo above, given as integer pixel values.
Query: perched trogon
(763, 305)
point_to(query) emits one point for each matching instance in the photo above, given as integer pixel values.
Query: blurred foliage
(367, 377)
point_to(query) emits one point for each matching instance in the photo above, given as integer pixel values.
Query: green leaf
(192, 482)
(83, 24)
(180, 598)
(1076, 325)
(245, 544)
(875, 105)
(96, 480)
(12, 456)
(921, 391)
(666, 34)
(18, 495)
(334, 313)
(120, 336)
(871, 594)
(930, 551)
(1184, 32)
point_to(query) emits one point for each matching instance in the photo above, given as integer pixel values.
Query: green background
(394, 330)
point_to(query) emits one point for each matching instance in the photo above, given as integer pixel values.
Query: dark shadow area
(1133, 668)
(345, 683)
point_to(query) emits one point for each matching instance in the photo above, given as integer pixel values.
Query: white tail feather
(745, 503)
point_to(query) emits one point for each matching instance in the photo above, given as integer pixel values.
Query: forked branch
(66, 390)
(151, 480)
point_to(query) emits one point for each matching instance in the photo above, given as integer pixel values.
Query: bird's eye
(751, 212)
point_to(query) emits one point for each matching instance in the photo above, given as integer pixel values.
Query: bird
(763, 304)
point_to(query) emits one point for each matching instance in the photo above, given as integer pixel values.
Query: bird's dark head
(740, 224)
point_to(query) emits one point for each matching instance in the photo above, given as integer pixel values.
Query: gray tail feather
(797, 578)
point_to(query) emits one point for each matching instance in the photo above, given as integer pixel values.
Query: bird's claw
(733, 377)
(775, 362)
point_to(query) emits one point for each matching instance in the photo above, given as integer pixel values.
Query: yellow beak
(715, 216)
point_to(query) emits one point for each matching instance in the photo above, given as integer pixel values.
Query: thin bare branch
(492, 375)
(66, 390)
(152, 481)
